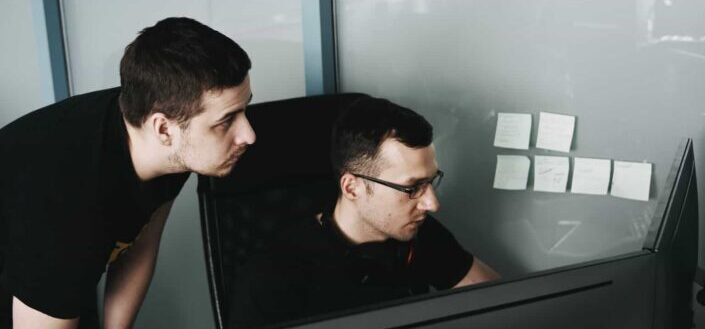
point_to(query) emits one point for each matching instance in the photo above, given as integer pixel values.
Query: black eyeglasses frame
(434, 181)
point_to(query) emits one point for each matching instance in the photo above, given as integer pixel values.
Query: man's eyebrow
(417, 180)
(413, 180)
(233, 112)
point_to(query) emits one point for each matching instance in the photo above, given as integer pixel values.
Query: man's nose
(244, 134)
(429, 200)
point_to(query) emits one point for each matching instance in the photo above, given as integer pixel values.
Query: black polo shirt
(313, 269)
(70, 200)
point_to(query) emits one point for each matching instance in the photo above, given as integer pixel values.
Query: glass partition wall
(612, 67)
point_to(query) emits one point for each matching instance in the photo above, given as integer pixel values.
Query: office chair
(285, 177)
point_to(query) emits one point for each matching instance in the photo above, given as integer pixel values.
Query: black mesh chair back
(283, 178)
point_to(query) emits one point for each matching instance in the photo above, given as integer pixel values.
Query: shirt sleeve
(438, 258)
(55, 283)
(56, 249)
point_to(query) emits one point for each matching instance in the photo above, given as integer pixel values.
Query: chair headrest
(292, 146)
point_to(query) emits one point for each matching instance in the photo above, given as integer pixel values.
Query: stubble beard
(378, 225)
(177, 160)
(177, 163)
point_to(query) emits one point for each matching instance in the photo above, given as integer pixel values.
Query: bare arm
(129, 277)
(479, 272)
(25, 317)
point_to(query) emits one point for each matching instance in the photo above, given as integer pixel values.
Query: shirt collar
(389, 251)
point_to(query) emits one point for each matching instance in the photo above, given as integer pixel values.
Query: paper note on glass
(513, 131)
(591, 176)
(555, 132)
(550, 173)
(512, 172)
(631, 180)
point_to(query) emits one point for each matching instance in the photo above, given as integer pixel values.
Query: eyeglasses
(414, 191)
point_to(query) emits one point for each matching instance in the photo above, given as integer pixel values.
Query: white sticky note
(513, 131)
(512, 172)
(631, 180)
(555, 132)
(591, 176)
(551, 173)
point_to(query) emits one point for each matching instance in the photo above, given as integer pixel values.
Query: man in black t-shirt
(86, 184)
(376, 243)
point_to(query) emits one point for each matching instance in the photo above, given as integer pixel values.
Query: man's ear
(159, 125)
(350, 186)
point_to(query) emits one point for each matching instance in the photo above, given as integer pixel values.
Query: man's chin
(409, 233)
(406, 236)
(219, 173)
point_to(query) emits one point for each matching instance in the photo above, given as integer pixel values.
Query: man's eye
(229, 121)
(421, 185)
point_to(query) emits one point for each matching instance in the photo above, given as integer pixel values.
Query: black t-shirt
(70, 200)
(313, 269)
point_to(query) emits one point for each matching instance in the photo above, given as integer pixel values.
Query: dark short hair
(169, 66)
(365, 125)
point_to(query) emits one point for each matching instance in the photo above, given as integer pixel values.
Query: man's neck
(352, 226)
(148, 157)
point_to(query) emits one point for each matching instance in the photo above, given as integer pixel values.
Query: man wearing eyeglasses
(377, 242)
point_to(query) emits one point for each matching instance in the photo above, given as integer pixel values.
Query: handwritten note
(591, 176)
(631, 180)
(512, 172)
(551, 173)
(555, 132)
(513, 131)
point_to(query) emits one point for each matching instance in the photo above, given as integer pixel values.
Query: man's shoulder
(77, 120)
(74, 107)
(56, 149)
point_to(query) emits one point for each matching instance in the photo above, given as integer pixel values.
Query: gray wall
(635, 88)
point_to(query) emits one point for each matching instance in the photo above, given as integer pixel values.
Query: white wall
(25, 82)
(271, 33)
